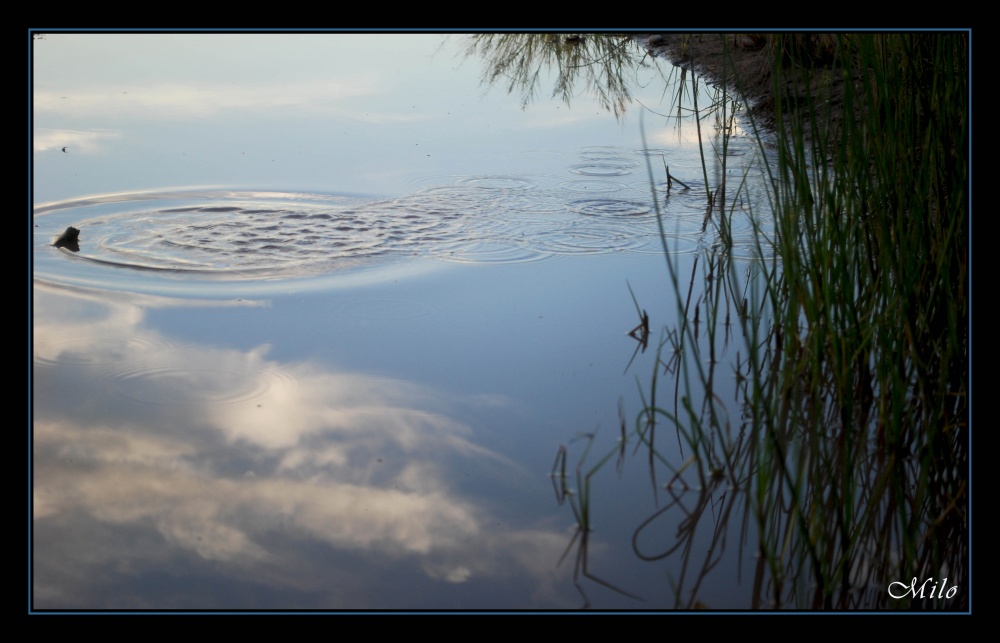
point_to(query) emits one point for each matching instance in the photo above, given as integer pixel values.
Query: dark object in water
(69, 239)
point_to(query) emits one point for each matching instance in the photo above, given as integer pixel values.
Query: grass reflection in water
(843, 465)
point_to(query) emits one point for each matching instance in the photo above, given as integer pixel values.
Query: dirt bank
(743, 61)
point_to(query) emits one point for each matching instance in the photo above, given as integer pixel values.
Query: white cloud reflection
(151, 453)
(327, 97)
(73, 140)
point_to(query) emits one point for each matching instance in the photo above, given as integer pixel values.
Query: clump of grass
(852, 443)
(860, 397)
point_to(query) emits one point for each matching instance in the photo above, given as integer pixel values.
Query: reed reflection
(841, 465)
(596, 63)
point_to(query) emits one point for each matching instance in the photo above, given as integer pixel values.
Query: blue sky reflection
(169, 450)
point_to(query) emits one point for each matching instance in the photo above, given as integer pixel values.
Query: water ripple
(183, 384)
(198, 237)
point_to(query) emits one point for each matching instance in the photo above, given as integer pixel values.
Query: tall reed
(851, 449)
(860, 399)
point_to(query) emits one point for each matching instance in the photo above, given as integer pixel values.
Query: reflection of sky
(330, 112)
(357, 442)
(298, 111)
(230, 458)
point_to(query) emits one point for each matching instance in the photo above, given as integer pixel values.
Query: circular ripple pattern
(179, 385)
(231, 236)
(101, 350)
(592, 185)
(613, 208)
(239, 239)
(186, 239)
(605, 168)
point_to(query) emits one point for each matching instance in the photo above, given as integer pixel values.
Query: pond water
(335, 306)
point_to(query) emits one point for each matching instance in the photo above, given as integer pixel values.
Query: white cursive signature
(912, 590)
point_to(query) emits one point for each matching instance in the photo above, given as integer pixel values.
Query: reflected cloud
(74, 141)
(154, 456)
(200, 101)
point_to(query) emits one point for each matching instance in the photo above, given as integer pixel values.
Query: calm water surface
(335, 307)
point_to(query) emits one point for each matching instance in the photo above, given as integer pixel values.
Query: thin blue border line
(40, 31)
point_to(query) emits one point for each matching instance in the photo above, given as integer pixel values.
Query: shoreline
(744, 63)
